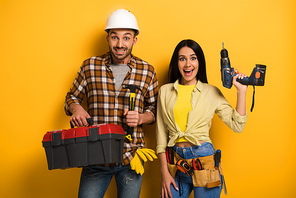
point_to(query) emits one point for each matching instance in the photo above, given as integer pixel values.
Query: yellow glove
(136, 164)
(142, 154)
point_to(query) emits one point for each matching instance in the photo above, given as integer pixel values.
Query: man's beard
(128, 52)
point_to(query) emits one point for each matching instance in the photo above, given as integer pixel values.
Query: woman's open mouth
(188, 72)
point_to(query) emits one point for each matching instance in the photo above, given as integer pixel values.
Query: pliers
(196, 164)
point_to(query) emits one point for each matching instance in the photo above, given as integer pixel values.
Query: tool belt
(203, 170)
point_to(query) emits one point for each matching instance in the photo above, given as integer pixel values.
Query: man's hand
(79, 115)
(132, 118)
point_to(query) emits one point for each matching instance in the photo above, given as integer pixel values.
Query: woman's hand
(167, 179)
(241, 94)
(239, 86)
(166, 182)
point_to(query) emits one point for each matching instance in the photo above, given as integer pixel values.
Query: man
(101, 80)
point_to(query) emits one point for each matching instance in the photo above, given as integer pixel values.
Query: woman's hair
(174, 73)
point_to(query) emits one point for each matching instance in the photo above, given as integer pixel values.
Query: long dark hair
(174, 72)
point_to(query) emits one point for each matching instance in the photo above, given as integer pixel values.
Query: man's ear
(135, 40)
(107, 38)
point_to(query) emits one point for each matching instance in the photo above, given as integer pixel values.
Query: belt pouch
(208, 177)
(172, 169)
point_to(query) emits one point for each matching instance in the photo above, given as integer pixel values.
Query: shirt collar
(198, 86)
(108, 60)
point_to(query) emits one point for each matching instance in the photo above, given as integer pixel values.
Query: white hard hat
(122, 19)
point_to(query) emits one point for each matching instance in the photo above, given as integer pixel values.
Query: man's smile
(120, 51)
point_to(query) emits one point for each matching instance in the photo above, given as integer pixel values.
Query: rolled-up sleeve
(151, 97)
(77, 92)
(231, 117)
(161, 130)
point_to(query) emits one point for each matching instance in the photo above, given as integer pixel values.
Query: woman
(185, 109)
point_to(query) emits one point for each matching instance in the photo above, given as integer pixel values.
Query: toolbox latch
(93, 134)
(56, 139)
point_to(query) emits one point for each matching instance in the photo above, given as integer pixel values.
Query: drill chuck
(224, 53)
(225, 63)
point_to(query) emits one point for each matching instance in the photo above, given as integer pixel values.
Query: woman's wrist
(242, 91)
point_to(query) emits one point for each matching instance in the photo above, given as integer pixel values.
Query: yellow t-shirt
(183, 107)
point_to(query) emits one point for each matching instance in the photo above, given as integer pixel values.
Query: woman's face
(188, 66)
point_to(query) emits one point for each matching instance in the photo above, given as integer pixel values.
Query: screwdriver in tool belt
(217, 158)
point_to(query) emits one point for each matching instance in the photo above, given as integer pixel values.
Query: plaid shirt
(96, 82)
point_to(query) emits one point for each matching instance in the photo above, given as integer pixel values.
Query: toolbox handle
(89, 121)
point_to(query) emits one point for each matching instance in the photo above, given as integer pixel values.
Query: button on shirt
(95, 82)
(206, 100)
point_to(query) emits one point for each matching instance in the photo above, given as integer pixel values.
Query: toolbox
(84, 146)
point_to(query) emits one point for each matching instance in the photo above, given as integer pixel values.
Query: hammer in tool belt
(132, 89)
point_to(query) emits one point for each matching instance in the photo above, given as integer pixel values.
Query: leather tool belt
(203, 170)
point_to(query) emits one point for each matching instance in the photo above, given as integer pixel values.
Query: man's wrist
(145, 118)
(74, 107)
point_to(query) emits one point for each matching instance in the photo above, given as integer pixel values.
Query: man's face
(121, 42)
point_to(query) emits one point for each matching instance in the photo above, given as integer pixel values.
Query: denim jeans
(96, 179)
(184, 182)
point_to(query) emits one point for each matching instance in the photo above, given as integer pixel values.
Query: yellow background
(43, 44)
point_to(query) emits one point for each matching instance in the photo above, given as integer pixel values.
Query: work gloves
(142, 155)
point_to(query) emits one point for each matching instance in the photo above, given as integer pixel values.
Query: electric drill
(256, 78)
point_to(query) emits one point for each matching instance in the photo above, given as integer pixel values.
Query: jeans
(96, 179)
(184, 182)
